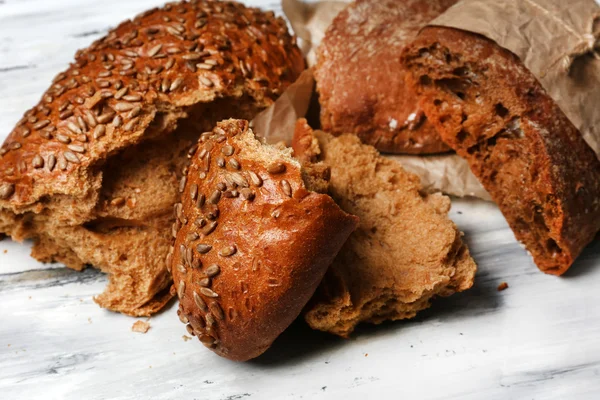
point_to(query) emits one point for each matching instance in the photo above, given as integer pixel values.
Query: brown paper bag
(277, 122)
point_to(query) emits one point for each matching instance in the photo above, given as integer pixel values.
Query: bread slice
(406, 250)
(522, 147)
(252, 241)
(92, 172)
(360, 79)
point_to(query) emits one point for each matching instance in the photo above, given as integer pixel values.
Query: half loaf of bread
(521, 146)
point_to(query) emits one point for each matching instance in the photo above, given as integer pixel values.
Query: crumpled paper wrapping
(556, 39)
(277, 122)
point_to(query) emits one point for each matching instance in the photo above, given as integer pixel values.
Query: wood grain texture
(535, 340)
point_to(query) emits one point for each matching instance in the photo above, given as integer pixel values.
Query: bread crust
(360, 79)
(116, 116)
(252, 243)
(521, 146)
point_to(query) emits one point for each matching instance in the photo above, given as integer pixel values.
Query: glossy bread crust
(252, 241)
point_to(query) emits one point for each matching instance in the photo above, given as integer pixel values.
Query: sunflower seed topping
(181, 289)
(227, 150)
(217, 311)
(181, 268)
(255, 179)
(117, 121)
(51, 162)
(208, 293)
(192, 236)
(176, 84)
(76, 148)
(62, 163)
(209, 228)
(207, 340)
(71, 157)
(41, 124)
(227, 251)
(205, 81)
(190, 330)
(6, 190)
(247, 194)
(276, 168)
(154, 50)
(239, 180)
(199, 302)
(200, 201)
(130, 125)
(99, 131)
(212, 270)
(183, 318)
(215, 197)
(233, 163)
(203, 248)
(287, 189)
(61, 137)
(204, 282)
(37, 161)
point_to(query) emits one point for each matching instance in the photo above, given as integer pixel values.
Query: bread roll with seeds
(360, 78)
(406, 250)
(91, 172)
(253, 242)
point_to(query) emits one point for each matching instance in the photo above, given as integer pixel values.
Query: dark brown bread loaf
(406, 250)
(524, 150)
(360, 79)
(252, 241)
(91, 172)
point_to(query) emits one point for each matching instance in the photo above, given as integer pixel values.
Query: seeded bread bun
(405, 251)
(360, 79)
(252, 242)
(527, 154)
(90, 173)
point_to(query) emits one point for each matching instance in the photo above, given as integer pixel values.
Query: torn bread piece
(253, 241)
(405, 251)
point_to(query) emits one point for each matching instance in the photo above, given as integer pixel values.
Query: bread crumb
(140, 326)
(5, 251)
(366, 354)
(502, 286)
(185, 338)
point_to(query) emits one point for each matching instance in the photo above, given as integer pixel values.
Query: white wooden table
(540, 339)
